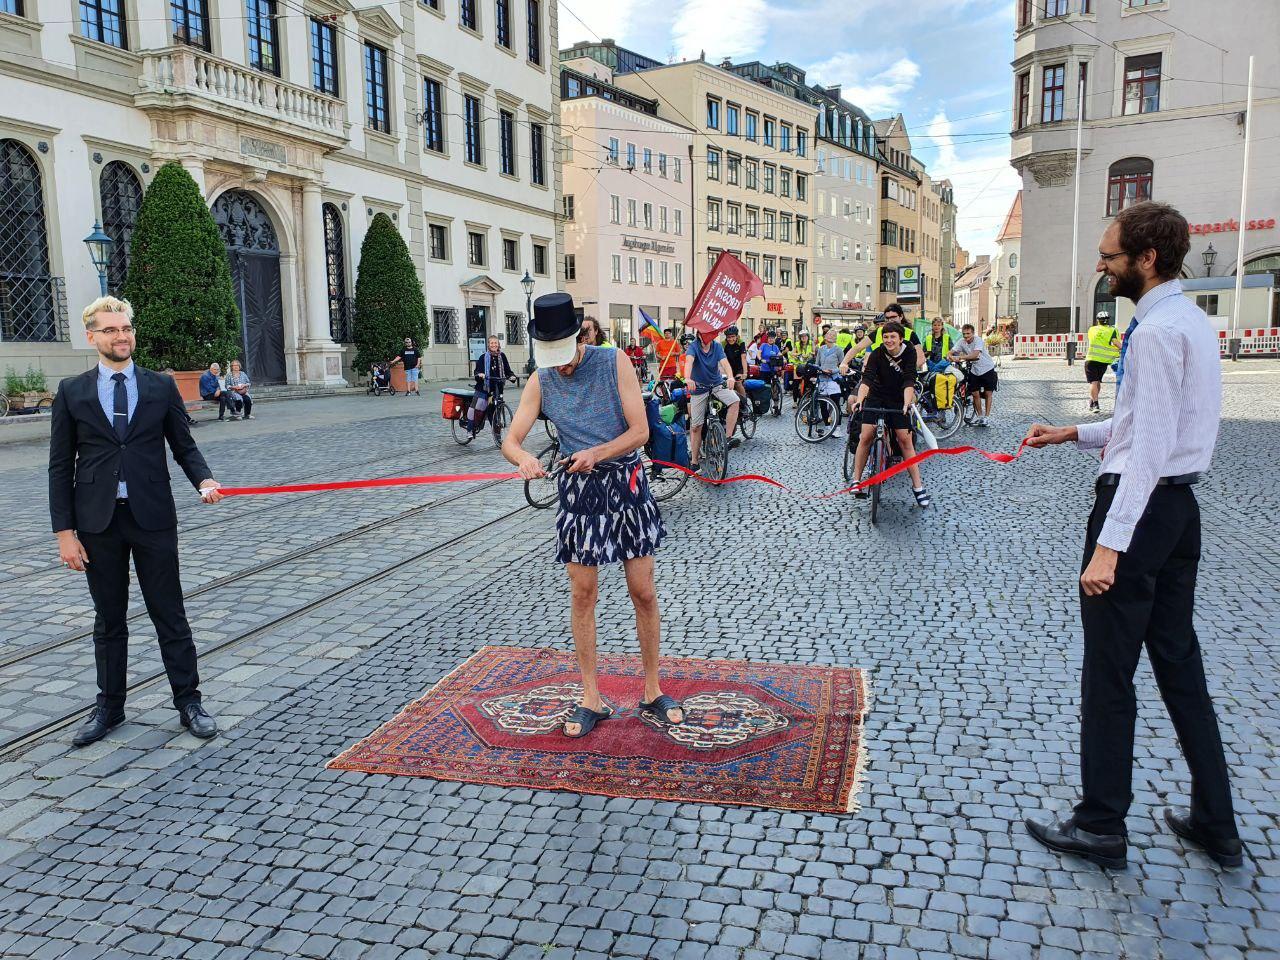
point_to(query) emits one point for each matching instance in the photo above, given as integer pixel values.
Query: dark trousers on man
(225, 401)
(1150, 604)
(155, 557)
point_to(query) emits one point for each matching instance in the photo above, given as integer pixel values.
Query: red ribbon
(880, 477)
(358, 484)
(871, 481)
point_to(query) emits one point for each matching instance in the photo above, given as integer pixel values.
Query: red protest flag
(729, 285)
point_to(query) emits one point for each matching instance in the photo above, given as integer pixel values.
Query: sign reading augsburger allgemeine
(647, 246)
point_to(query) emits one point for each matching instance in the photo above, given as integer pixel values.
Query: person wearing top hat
(606, 513)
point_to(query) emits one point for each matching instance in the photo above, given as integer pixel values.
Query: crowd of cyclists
(876, 373)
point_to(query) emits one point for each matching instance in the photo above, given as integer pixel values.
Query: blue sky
(943, 63)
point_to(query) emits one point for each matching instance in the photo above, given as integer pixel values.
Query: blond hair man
(109, 499)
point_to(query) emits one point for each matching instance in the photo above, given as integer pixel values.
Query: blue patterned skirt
(608, 515)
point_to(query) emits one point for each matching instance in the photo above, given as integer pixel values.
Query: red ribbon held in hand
(359, 484)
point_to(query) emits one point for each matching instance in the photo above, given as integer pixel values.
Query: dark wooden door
(254, 255)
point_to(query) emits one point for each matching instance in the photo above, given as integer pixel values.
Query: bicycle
(544, 492)
(714, 449)
(879, 456)
(944, 421)
(497, 413)
(747, 418)
(817, 415)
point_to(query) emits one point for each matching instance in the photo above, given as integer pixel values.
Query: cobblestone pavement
(151, 844)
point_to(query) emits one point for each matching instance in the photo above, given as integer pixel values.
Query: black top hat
(554, 317)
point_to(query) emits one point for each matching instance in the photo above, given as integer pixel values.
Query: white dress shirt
(1167, 410)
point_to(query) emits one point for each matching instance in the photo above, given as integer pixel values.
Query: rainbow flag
(649, 329)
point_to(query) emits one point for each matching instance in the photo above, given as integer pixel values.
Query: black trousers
(155, 557)
(1151, 603)
(225, 402)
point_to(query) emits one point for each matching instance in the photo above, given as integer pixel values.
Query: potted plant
(27, 392)
(184, 306)
(389, 303)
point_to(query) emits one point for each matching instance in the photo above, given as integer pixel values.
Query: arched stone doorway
(254, 253)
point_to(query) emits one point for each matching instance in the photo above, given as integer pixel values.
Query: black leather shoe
(1106, 850)
(1227, 853)
(196, 719)
(97, 726)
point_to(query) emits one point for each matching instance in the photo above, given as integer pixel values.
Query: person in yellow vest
(1102, 349)
(937, 346)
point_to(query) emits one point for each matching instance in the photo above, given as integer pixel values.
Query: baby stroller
(380, 380)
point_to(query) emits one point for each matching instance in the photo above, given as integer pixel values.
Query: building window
(566, 206)
(770, 172)
(753, 221)
(29, 307)
(540, 259)
(648, 216)
(662, 164)
(784, 183)
(664, 274)
(802, 186)
(1142, 84)
(502, 22)
(617, 269)
(752, 121)
(888, 280)
(679, 273)
(767, 276)
(713, 214)
(734, 213)
(438, 235)
(785, 144)
(534, 14)
(1024, 100)
(648, 273)
(784, 227)
(632, 274)
(662, 219)
(570, 266)
(1024, 13)
(121, 193)
(444, 325)
(768, 131)
(679, 223)
(768, 224)
(648, 160)
(324, 57)
(802, 229)
(101, 20)
(467, 13)
(676, 162)
(515, 328)
(631, 156)
(631, 212)
(615, 209)
(335, 268)
(537, 158)
(475, 248)
(713, 164)
(1208, 302)
(377, 114)
(753, 175)
(734, 169)
(713, 113)
(190, 22)
(1128, 182)
(473, 145)
(1055, 8)
(264, 47)
(731, 119)
(510, 254)
(802, 143)
(506, 142)
(432, 115)
(784, 273)
(1051, 95)
(611, 155)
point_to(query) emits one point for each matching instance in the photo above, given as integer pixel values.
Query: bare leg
(644, 597)
(1094, 389)
(695, 442)
(909, 451)
(731, 419)
(864, 448)
(584, 583)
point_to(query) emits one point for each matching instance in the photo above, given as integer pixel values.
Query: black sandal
(586, 718)
(661, 706)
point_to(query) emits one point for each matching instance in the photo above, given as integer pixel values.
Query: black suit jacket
(86, 456)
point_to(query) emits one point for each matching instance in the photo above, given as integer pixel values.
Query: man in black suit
(109, 497)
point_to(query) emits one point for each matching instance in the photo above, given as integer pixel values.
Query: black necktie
(121, 420)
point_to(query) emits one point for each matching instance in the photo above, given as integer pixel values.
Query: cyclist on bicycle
(736, 352)
(828, 361)
(491, 374)
(889, 384)
(707, 372)
(770, 358)
(800, 354)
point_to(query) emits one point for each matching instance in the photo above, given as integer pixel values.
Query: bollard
(1233, 349)
(1071, 353)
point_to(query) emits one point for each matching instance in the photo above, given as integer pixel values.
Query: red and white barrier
(1254, 342)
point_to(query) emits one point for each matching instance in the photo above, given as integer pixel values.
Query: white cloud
(939, 132)
(985, 185)
(610, 20)
(721, 28)
(878, 83)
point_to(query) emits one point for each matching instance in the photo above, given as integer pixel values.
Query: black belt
(1182, 480)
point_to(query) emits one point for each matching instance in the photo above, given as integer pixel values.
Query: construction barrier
(1254, 342)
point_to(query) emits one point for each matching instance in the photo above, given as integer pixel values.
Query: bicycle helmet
(731, 332)
(686, 339)
(1103, 317)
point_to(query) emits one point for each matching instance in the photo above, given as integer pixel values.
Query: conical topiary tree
(389, 302)
(184, 307)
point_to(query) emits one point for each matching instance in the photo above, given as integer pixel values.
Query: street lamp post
(527, 282)
(800, 300)
(995, 306)
(100, 246)
(1210, 257)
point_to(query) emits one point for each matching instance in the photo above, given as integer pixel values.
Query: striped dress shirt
(1166, 415)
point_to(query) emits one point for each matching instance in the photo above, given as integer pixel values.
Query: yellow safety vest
(1103, 344)
(844, 341)
(946, 344)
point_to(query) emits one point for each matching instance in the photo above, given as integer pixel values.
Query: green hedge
(389, 302)
(184, 307)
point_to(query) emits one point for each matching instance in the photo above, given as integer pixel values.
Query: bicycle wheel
(850, 450)
(715, 450)
(543, 492)
(44, 405)
(948, 420)
(664, 482)
(550, 427)
(878, 460)
(817, 418)
(775, 397)
(746, 419)
(501, 419)
(4, 404)
(458, 428)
